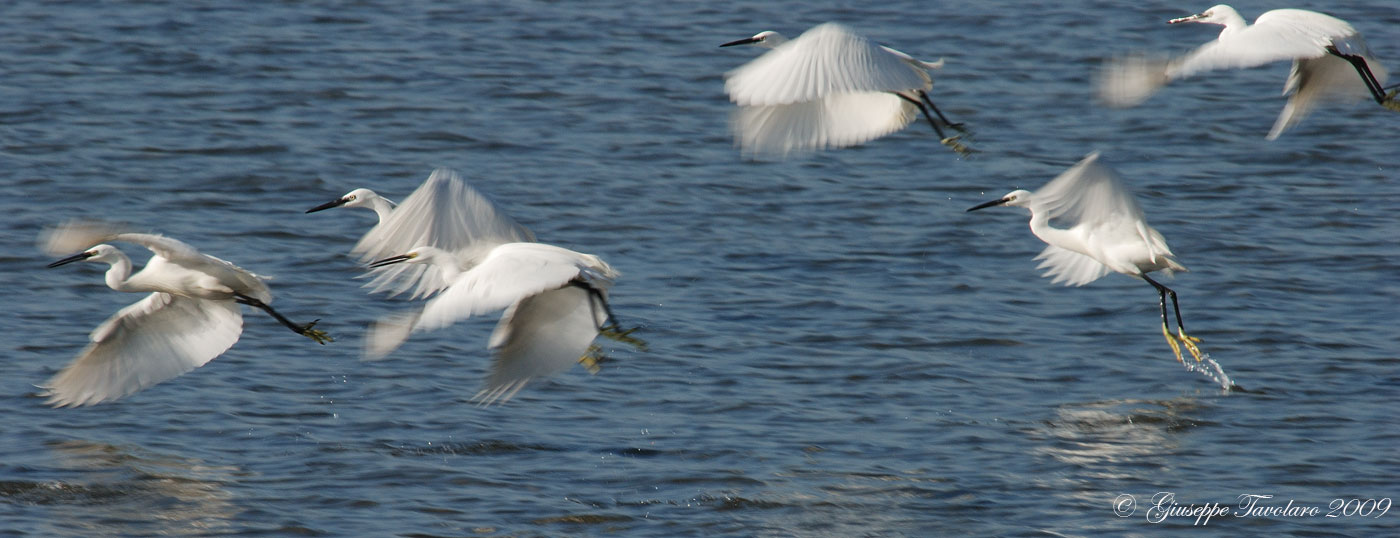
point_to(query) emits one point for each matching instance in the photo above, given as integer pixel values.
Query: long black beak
(74, 258)
(1187, 19)
(333, 203)
(392, 260)
(997, 202)
(744, 41)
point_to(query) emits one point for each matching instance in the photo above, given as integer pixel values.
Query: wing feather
(444, 212)
(540, 335)
(1277, 35)
(826, 60)
(834, 122)
(509, 274)
(153, 340)
(1088, 193)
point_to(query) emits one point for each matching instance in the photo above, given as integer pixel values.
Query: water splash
(1212, 370)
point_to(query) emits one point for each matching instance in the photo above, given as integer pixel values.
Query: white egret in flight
(444, 212)
(555, 303)
(1330, 61)
(190, 316)
(1105, 231)
(828, 88)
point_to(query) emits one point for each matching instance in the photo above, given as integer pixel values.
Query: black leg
(924, 96)
(609, 327)
(924, 109)
(1364, 70)
(305, 330)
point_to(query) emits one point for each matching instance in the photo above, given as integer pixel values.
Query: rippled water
(837, 349)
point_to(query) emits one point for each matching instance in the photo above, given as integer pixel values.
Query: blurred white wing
(510, 273)
(543, 334)
(1070, 267)
(834, 122)
(76, 235)
(1088, 193)
(826, 60)
(1281, 34)
(446, 213)
(1316, 79)
(154, 340)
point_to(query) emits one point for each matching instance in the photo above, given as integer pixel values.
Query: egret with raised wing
(1106, 231)
(1330, 61)
(444, 212)
(828, 88)
(555, 301)
(190, 317)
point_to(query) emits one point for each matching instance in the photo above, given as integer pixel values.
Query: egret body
(828, 88)
(190, 316)
(1327, 55)
(1106, 232)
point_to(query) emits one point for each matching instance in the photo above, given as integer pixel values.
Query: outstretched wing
(511, 273)
(76, 235)
(834, 122)
(1088, 193)
(1277, 35)
(446, 213)
(826, 60)
(1069, 267)
(156, 339)
(541, 335)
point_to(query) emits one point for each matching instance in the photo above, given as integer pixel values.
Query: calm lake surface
(836, 348)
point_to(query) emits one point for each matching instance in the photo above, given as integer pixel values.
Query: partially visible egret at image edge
(190, 316)
(828, 88)
(1105, 231)
(1330, 61)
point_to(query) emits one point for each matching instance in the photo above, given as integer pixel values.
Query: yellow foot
(1171, 340)
(1390, 101)
(319, 336)
(592, 359)
(953, 142)
(1190, 343)
(612, 333)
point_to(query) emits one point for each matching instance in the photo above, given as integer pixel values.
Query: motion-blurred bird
(1327, 54)
(190, 317)
(444, 212)
(828, 88)
(555, 301)
(1105, 231)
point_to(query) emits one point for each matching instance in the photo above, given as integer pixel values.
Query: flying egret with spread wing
(1106, 231)
(444, 212)
(828, 88)
(555, 301)
(1330, 61)
(190, 317)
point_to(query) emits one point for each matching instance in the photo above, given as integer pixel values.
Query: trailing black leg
(924, 95)
(305, 330)
(924, 109)
(1364, 70)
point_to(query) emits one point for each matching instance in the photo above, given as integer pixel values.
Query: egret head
(1220, 14)
(766, 39)
(355, 198)
(1016, 198)
(99, 253)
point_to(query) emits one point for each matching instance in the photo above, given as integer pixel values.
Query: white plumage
(828, 88)
(555, 302)
(444, 212)
(1097, 227)
(190, 316)
(1282, 34)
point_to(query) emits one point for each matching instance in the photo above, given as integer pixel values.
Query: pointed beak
(392, 260)
(1187, 19)
(997, 202)
(744, 41)
(74, 258)
(333, 203)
